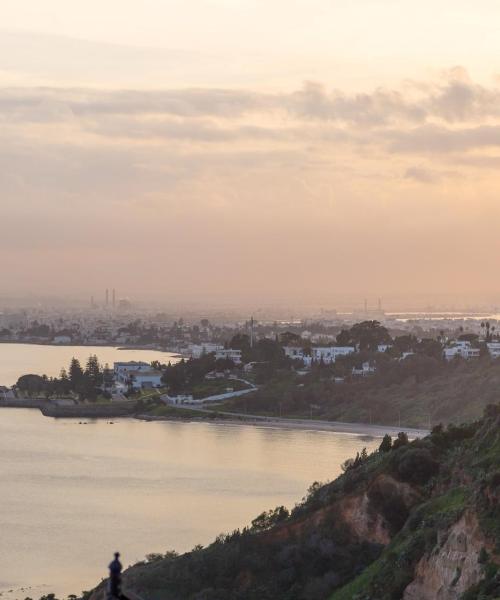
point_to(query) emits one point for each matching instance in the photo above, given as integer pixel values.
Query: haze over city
(250, 151)
(249, 303)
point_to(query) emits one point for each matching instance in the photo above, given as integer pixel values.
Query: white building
(6, 393)
(494, 349)
(122, 370)
(366, 369)
(145, 379)
(461, 348)
(179, 399)
(199, 350)
(294, 352)
(229, 353)
(383, 347)
(322, 337)
(329, 354)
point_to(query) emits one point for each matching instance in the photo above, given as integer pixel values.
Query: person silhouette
(115, 577)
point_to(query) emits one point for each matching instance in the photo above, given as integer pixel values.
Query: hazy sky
(265, 149)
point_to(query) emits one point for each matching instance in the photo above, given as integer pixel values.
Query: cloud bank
(246, 192)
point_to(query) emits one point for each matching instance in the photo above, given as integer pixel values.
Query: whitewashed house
(199, 350)
(140, 380)
(122, 370)
(461, 348)
(229, 353)
(329, 354)
(365, 370)
(494, 349)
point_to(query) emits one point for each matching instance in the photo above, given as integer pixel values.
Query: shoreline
(122, 411)
(362, 429)
(90, 345)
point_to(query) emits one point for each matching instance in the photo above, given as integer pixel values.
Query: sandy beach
(364, 429)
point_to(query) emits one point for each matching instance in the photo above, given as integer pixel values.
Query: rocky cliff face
(371, 515)
(453, 566)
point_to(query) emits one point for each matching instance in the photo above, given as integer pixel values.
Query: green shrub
(416, 465)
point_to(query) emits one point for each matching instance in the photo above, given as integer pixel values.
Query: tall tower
(113, 298)
(107, 297)
(251, 332)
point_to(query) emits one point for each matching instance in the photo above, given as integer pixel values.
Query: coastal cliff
(417, 520)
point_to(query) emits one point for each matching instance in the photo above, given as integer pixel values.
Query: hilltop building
(329, 354)
(461, 348)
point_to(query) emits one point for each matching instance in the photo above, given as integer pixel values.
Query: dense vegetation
(362, 536)
(419, 390)
(86, 383)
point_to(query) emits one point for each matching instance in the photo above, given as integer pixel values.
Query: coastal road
(312, 424)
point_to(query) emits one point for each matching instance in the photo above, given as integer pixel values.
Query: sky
(258, 151)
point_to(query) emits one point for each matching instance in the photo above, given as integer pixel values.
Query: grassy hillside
(416, 521)
(445, 393)
(456, 395)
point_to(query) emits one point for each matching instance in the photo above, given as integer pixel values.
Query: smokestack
(107, 296)
(114, 298)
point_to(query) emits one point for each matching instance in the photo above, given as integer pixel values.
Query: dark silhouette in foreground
(115, 579)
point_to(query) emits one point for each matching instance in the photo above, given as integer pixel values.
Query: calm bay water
(71, 494)
(19, 359)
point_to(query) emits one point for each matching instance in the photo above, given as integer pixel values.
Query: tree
(402, 440)
(267, 519)
(369, 334)
(93, 370)
(75, 373)
(406, 343)
(32, 384)
(107, 376)
(386, 445)
(63, 385)
(431, 348)
(240, 341)
(469, 337)
(417, 465)
(269, 351)
(485, 325)
(174, 377)
(288, 338)
(344, 338)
